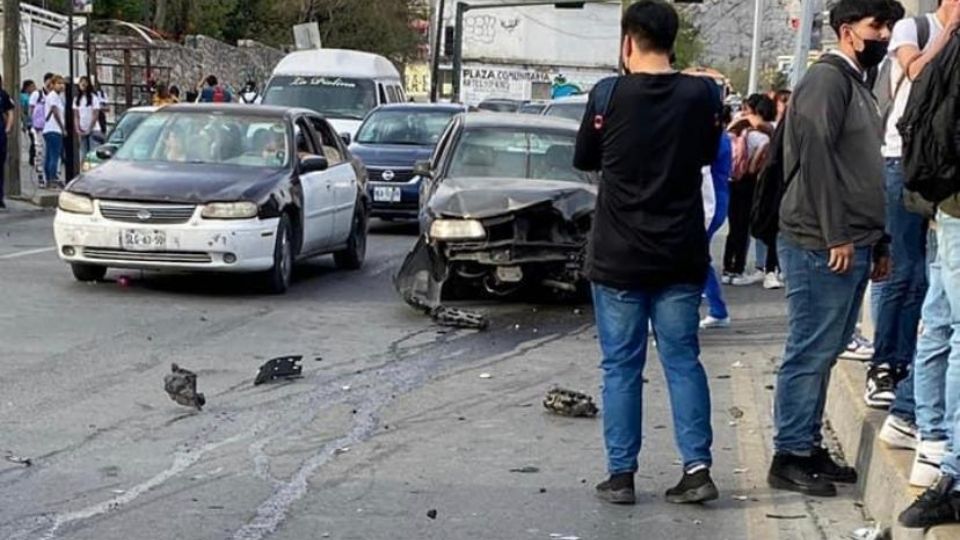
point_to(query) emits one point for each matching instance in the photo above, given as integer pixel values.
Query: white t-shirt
(53, 100)
(88, 114)
(34, 98)
(904, 33)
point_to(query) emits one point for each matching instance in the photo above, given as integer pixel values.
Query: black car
(219, 187)
(390, 141)
(503, 210)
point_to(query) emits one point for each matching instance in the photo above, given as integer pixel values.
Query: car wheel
(88, 272)
(277, 279)
(352, 257)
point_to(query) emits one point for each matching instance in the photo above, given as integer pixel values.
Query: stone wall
(726, 29)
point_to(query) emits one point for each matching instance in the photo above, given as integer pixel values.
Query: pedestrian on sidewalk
(213, 92)
(832, 238)
(86, 108)
(53, 130)
(7, 122)
(27, 90)
(648, 254)
(914, 42)
(719, 183)
(750, 135)
(38, 118)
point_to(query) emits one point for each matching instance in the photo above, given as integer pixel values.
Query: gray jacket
(837, 195)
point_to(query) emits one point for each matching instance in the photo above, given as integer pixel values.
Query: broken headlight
(236, 210)
(457, 229)
(75, 203)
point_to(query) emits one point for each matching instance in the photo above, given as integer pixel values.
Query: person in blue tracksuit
(717, 314)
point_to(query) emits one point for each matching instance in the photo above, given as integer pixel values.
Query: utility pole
(11, 79)
(70, 137)
(801, 49)
(435, 84)
(755, 49)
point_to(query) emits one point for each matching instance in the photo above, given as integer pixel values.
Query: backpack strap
(602, 97)
(923, 31)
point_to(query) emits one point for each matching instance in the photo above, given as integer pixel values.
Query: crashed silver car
(502, 210)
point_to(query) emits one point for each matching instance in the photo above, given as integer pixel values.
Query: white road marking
(27, 253)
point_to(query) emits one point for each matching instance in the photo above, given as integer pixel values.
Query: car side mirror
(422, 168)
(106, 151)
(312, 164)
(346, 138)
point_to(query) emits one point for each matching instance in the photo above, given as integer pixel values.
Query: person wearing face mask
(832, 238)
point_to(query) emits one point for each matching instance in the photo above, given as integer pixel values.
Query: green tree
(688, 47)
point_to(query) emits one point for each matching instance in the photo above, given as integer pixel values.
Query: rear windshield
(420, 128)
(505, 153)
(333, 97)
(573, 111)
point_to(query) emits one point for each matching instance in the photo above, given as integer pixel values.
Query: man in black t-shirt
(8, 118)
(648, 254)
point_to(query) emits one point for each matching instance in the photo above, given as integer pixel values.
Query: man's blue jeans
(622, 319)
(901, 296)
(948, 250)
(933, 351)
(822, 311)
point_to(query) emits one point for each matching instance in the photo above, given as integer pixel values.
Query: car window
(333, 97)
(124, 128)
(441, 147)
(304, 139)
(208, 138)
(572, 111)
(511, 153)
(383, 94)
(409, 127)
(328, 141)
(401, 97)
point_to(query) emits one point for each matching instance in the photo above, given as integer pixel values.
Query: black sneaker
(797, 473)
(938, 505)
(694, 487)
(618, 489)
(881, 387)
(825, 467)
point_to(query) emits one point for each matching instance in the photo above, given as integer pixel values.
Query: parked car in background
(503, 211)
(224, 187)
(390, 141)
(341, 85)
(533, 107)
(572, 107)
(121, 131)
(500, 105)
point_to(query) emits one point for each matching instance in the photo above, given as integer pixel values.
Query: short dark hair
(652, 24)
(763, 106)
(852, 11)
(46, 77)
(212, 80)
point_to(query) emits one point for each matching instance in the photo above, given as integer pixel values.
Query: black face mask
(874, 51)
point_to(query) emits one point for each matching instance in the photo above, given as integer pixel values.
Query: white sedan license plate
(386, 194)
(134, 240)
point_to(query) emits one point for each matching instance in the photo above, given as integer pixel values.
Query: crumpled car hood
(480, 198)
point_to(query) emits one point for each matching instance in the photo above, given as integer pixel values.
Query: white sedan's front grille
(185, 257)
(155, 214)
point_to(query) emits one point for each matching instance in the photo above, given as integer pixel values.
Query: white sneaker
(772, 281)
(745, 280)
(897, 433)
(859, 348)
(926, 463)
(709, 322)
(726, 278)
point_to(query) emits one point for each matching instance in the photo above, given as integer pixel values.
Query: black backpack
(931, 156)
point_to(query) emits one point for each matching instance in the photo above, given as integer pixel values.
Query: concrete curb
(884, 473)
(40, 198)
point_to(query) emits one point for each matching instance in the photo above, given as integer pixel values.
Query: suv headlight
(457, 229)
(75, 203)
(234, 210)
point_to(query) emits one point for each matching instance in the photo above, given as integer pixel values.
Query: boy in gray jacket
(832, 236)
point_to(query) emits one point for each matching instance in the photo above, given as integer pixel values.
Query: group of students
(209, 90)
(838, 214)
(44, 120)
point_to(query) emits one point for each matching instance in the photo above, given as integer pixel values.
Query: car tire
(277, 279)
(88, 272)
(352, 257)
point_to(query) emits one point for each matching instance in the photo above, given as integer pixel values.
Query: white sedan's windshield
(422, 128)
(503, 153)
(213, 138)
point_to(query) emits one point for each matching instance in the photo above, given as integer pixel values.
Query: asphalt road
(392, 418)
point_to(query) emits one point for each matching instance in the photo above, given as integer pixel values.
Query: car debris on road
(283, 367)
(570, 403)
(181, 385)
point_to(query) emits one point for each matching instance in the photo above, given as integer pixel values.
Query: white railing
(43, 17)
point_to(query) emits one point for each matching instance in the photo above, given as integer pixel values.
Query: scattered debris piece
(283, 367)
(325, 535)
(543, 490)
(659, 426)
(788, 516)
(203, 318)
(736, 412)
(516, 327)
(570, 403)
(181, 385)
(118, 491)
(741, 498)
(737, 365)
(461, 418)
(578, 311)
(697, 522)
(458, 318)
(871, 533)
(768, 387)
(432, 514)
(525, 470)
(486, 376)
(26, 462)
(740, 471)
(339, 451)
(318, 359)
(345, 388)
(724, 376)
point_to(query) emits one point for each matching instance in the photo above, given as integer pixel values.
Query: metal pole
(801, 49)
(11, 76)
(755, 50)
(435, 68)
(70, 135)
(462, 9)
